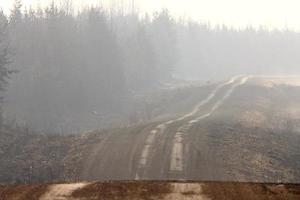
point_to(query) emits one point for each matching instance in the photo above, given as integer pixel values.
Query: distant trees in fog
(221, 51)
(71, 66)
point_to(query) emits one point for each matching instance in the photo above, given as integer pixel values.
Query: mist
(84, 71)
(110, 92)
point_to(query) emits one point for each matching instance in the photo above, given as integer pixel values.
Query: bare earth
(133, 190)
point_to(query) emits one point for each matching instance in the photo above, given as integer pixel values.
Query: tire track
(177, 162)
(150, 140)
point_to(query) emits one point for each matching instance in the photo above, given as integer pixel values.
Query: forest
(63, 72)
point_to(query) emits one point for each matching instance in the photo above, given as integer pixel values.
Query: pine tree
(16, 14)
(4, 61)
(4, 72)
(164, 38)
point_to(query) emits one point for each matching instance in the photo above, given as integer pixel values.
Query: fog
(130, 92)
(71, 73)
(279, 14)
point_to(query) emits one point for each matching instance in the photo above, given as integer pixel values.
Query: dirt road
(157, 151)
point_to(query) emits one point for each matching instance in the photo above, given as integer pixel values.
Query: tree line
(84, 66)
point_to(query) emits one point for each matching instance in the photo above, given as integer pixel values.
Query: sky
(273, 14)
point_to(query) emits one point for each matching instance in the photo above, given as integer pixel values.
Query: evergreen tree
(4, 61)
(16, 15)
(164, 38)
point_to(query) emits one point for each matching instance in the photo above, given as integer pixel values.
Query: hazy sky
(238, 13)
